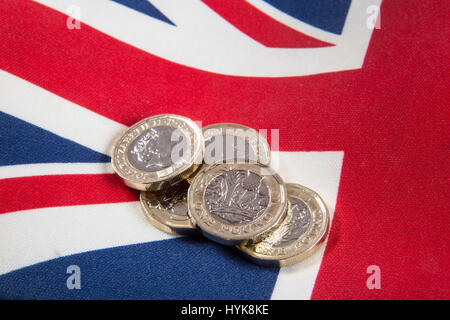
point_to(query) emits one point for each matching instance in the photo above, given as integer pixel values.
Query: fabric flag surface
(357, 89)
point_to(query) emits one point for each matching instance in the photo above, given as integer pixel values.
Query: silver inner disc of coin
(298, 223)
(236, 197)
(178, 207)
(174, 200)
(221, 147)
(152, 150)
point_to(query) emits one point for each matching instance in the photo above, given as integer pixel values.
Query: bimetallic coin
(231, 202)
(233, 141)
(158, 152)
(167, 210)
(304, 227)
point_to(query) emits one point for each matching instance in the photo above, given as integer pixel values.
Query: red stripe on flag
(62, 190)
(261, 27)
(393, 208)
(126, 84)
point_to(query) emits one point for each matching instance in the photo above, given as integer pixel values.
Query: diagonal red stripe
(261, 27)
(126, 84)
(27, 193)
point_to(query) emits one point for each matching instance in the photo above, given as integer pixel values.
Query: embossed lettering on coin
(231, 202)
(236, 197)
(152, 150)
(304, 227)
(158, 152)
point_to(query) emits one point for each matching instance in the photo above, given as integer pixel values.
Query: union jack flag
(359, 96)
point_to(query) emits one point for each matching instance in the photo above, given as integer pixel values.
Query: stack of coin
(218, 180)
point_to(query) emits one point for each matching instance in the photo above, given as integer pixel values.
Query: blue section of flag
(145, 7)
(328, 15)
(25, 143)
(182, 268)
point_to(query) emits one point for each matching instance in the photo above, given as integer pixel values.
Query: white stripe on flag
(37, 235)
(42, 108)
(44, 169)
(202, 39)
(33, 236)
(294, 23)
(321, 172)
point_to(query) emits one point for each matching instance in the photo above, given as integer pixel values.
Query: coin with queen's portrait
(158, 152)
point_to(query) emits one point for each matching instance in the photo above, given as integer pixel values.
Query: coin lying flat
(304, 227)
(233, 141)
(167, 210)
(158, 152)
(231, 202)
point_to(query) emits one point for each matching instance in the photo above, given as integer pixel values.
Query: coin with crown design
(233, 141)
(158, 152)
(232, 202)
(304, 227)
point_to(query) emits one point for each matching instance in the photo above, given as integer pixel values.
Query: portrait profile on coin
(152, 150)
(158, 152)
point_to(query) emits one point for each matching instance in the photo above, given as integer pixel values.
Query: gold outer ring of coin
(157, 180)
(256, 141)
(161, 217)
(264, 253)
(229, 234)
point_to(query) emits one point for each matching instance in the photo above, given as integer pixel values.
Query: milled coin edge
(302, 252)
(156, 181)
